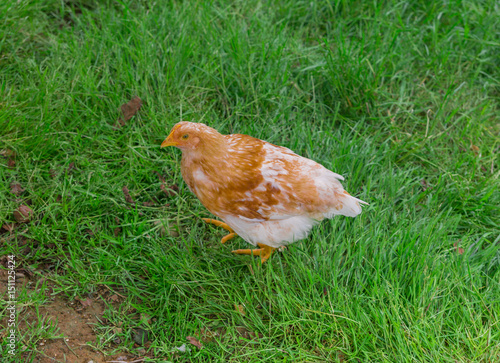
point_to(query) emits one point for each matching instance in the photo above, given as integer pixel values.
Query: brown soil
(75, 322)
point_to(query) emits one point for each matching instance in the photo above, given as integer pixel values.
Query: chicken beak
(168, 142)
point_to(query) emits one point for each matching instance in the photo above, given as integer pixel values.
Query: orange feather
(266, 193)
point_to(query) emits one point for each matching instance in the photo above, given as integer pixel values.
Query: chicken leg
(223, 225)
(264, 252)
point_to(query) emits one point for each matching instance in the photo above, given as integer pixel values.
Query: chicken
(266, 194)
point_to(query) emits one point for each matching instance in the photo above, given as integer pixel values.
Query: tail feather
(349, 206)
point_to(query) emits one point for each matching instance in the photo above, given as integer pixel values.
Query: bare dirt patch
(75, 321)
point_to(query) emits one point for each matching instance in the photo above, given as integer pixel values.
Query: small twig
(46, 356)
(114, 292)
(64, 340)
(336, 316)
(427, 126)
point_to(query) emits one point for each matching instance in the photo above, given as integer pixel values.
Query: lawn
(401, 98)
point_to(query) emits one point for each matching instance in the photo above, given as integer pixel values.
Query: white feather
(273, 233)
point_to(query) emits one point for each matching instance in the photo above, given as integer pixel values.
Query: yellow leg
(228, 237)
(264, 252)
(223, 225)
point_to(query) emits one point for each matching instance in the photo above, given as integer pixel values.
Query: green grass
(402, 98)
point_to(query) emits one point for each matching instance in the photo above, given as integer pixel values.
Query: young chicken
(266, 194)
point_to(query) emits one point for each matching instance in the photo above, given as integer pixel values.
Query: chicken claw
(264, 252)
(226, 238)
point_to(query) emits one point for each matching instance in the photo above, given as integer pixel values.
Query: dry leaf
(170, 191)
(114, 298)
(25, 272)
(117, 230)
(8, 154)
(247, 334)
(206, 335)
(129, 110)
(240, 309)
(459, 250)
(16, 188)
(86, 303)
(9, 227)
(128, 198)
(23, 214)
(71, 166)
(424, 184)
(195, 342)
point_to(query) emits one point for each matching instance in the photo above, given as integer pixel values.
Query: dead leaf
(162, 229)
(85, 303)
(4, 260)
(128, 197)
(475, 149)
(16, 188)
(114, 298)
(195, 342)
(10, 155)
(9, 227)
(170, 191)
(247, 334)
(129, 109)
(23, 214)
(459, 250)
(149, 204)
(71, 166)
(25, 272)
(424, 184)
(240, 309)
(172, 230)
(206, 335)
(117, 230)
(7, 153)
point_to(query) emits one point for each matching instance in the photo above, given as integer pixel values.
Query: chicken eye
(184, 137)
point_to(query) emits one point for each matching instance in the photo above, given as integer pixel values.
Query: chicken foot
(217, 223)
(264, 252)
